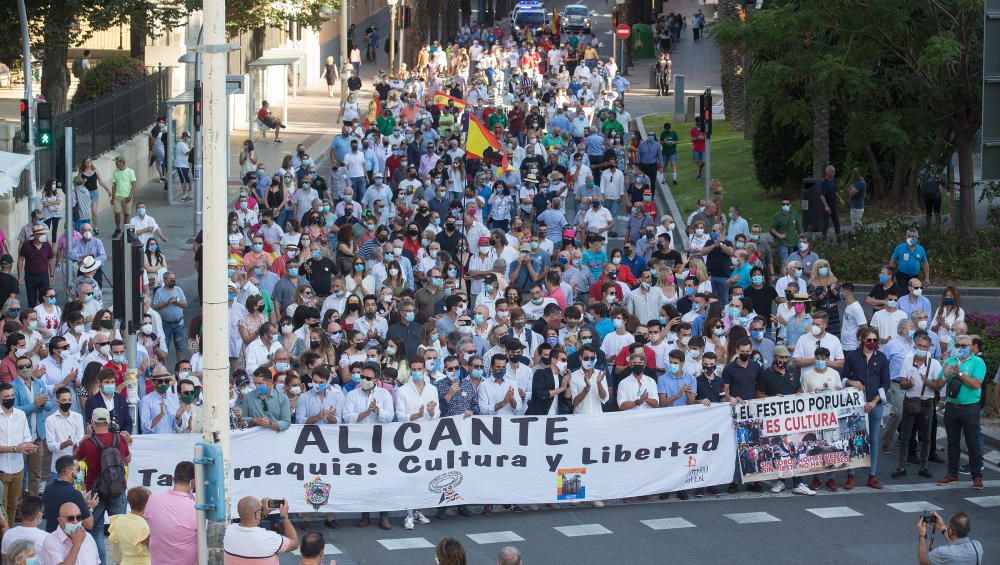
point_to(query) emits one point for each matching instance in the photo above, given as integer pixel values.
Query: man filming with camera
(246, 542)
(960, 550)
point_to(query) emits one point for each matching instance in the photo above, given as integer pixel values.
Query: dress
(251, 324)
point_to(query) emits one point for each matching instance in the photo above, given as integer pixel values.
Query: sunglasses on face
(73, 519)
(589, 358)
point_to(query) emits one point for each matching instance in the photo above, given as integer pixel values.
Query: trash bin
(812, 207)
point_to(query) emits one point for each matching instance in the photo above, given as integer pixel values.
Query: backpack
(931, 188)
(77, 68)
(110, 482)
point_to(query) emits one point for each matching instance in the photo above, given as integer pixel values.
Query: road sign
(623, 32)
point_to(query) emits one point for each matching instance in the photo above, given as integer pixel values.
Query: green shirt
(973, 367)
(385, 125)
(788, 224)
(668, 140)
(123, 179)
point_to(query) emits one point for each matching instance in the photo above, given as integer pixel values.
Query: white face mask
(287, 329)
(561, 366)
(816, 330)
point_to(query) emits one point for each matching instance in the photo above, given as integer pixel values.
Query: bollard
(691, 109)
(678, 95)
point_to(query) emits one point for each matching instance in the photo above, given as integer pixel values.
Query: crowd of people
(420, 281)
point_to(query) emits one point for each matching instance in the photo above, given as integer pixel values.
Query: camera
(928, 518)
(278, 502)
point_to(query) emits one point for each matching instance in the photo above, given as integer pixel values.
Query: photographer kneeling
(959, 549)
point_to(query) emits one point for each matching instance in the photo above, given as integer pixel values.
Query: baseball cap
(782, 351)
(101, 415)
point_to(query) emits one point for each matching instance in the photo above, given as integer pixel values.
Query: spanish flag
(480, 142)
(441, 100)
(374, 109)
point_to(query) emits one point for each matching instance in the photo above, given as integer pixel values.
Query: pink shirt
(173, 527)
(559, 296)
(57, 545)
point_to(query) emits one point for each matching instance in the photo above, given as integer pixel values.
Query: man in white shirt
(638, 390)
(354, 160)
(63, 428)
(518, 371)
(535, 307)
(805, 349)
(793, 273)
(31, 518)
(613, 343)
(887, 319)
(597, 219)
(260, 350)
(371, 325)
(15, 441)
(498, 395)
(612, 184)
(581, 391)
(852, 320)
(369, 403)
(416, 401)
(145, 225)
(323, 403)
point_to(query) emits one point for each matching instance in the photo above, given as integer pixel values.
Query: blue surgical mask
(962, 351)
(499, 374)
(108, 389)
(282, 366)
(417, 376)
(293, 272)
(409, 316)
(154, 247)
(52, 301)
(355, 377)
(757, 335)
(757, 279)
(262, 389)
(477, 373)
(321, 388)
(359, 268)
(820, 364)
(674, 368)
(920, 353)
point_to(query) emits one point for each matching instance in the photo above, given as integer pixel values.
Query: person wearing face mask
(22, 544)
(260, 350)
(369, 404)
(266, 406)
(170, 301)
(161, 412)
(887, 319)
(909, 258)
(36, 264)
(786, 227)
(63, 428)
(416, 401)
(867, 369)
(914, 299)
(921, 377)
(31, 397)
(70, 542)
(964, 373)
(816, 337)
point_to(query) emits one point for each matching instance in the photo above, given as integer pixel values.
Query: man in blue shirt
(340, 146)
(914, 299)
(896, 350)
(675, 387)
(170, 302)
(867, 369)
(649, 158)
(908, 258)
(160, 412)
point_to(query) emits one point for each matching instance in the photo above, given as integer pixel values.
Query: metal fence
(99, 126)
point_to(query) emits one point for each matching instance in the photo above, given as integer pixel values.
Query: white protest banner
(804, 434)
(478, 460)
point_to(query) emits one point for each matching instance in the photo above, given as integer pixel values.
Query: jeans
(783, 253)
(894, 396)
(612, 205)
(173, 334)
(959, 419)
(911, 425)
(112, 507)
(358, 186)
(874, 427)
(720, 288)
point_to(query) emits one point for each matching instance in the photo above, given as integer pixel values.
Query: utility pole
(22, 12)
(70, 189)
(345, 55)
(214, 294)
(393, 18)
(402, 35)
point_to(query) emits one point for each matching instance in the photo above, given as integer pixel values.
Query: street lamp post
(620, 9)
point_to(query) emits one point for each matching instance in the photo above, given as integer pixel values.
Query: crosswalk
(676, 523)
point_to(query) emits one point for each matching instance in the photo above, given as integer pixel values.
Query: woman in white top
(667, 283)
(49, 314)
(351, 108)
(697, 240)
(949, 313)
(248, 159)
(360, 282)
(704, 283)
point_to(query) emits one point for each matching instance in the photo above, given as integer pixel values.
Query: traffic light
(705, 110)
(212, 481)
(197, 106)
(25, 121)
(43, 119)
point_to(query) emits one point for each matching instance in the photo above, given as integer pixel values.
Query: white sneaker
(803, 489)
(419, 516)
(778, 486)
(408, 522)
(598, 504)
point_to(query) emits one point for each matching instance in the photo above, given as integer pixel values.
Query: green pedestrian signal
(44, 138)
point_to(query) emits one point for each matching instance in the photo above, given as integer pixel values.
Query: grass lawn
(732, 164)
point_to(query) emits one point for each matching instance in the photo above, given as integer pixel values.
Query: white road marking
(582, 530)
(405, 543)
(834, 512)
(668, 523)
(915, 506)
(985, 501)
(494, 537)
(752, 517)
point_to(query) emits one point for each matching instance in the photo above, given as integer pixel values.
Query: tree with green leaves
(888, 84)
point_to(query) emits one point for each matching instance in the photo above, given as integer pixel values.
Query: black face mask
(8, 403)
(65, 406)
(612, 275)
(641, 339)
(637, 369)
(744, 356)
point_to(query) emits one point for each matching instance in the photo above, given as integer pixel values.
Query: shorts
(698, 155)
(122, 205)
(672, 158)
(94, 196)
(185, 174)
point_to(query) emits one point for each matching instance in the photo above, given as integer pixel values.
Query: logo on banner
(695, 473)
(570, 485)
(317, 492)
(445, 484)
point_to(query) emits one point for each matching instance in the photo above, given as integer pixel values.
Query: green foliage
(903, 79)
(987, 326)
(247, 15)
(951, 258)
(111, 73)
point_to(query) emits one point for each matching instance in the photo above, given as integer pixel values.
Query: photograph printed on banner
(801, 435)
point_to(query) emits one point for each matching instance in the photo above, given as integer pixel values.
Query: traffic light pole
(22, 13)
(706, 128)
(70, 189)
